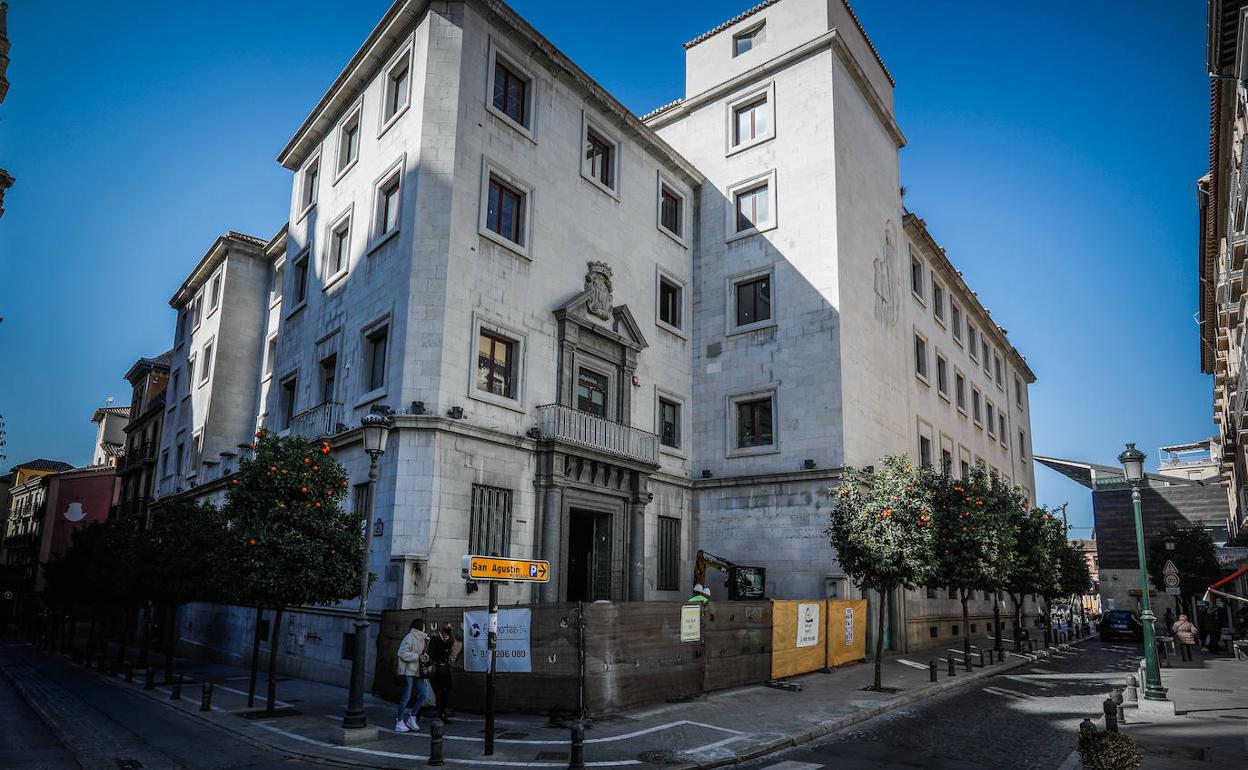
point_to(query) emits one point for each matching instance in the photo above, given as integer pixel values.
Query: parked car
(1121, 624)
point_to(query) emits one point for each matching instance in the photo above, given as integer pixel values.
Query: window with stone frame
(669, 422)
(489, 527)
(920, 356)
(916, 276)
(755, 423)
(505, 210)
(938, 301)
(671, 210)
(376, 344)
(349, 142)
(398, 87)
(600, 158)
(749, 39)
(671, 301)
(592, 389)
(753, 300)
(496, 368)
(301, 279)
(510, 92)
(668, 578)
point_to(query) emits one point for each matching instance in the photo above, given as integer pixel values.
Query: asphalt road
(1027, 718)
(56, 716)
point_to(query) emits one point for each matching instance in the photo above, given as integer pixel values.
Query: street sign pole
(492, 645)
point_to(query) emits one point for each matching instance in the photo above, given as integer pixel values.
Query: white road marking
(789, 764)
(912, 664)
(280, 703)
(1008, 693)
(563, 741)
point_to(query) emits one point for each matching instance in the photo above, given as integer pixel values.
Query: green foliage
(287, 540)
(974, 530)
(1074, 578)
(882, 525)
(178, 556)
(1193, 554)
(1108, 751)
(96, 568)
(1034, 566)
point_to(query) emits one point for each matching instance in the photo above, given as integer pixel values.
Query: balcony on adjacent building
(320, 421)
(563, 423)
(144, 453)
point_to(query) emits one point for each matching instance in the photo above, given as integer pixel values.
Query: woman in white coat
(411, 663)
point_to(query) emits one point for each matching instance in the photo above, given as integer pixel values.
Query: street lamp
(376, 430)
(1170, 543)
(1132, 461)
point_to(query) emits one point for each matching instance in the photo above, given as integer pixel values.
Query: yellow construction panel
(846, 631)
(789, 618)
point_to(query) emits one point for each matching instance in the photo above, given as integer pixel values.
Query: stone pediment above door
(593, 309)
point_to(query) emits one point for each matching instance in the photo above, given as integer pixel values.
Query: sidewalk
(1210, 729)
(713, 730)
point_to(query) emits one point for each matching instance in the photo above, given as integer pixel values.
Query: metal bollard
(149, 678)
(1048, 638)
(1117, 699)
(1111, 715)
(981, 658)
(205, 697)
(129, 672)
(1086, 726)
(435, 743)
(931, 667)
(175, 692)
(1031, 645)
(1132, 693)
(952, 669)
(966, 660)
(576, 760)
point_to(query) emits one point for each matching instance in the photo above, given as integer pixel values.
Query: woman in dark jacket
(443, 649)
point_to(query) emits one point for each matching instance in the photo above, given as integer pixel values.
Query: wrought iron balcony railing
(320, 421)
(563, 423)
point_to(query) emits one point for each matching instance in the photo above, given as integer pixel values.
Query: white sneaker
(413, 724)
(399, 727)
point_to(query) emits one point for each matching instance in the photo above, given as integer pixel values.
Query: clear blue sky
(1053, 151)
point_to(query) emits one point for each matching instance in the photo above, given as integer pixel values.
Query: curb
(835, 725)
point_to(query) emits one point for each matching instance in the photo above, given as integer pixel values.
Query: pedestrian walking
(412, 660)
(1185, 636)
(443, 650)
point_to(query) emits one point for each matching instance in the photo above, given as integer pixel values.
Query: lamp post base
(1153, 706)
(352, 736)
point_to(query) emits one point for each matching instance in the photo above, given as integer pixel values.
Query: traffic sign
(1170, 578)
(1169, 569)
(496, 568)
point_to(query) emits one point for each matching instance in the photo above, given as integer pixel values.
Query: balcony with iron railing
(144, 453)
(320, 421)
(556, 422)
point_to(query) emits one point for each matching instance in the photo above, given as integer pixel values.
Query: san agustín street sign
(493, 570)
(497, 568)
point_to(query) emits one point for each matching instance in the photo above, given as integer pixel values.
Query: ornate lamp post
(376, 427)
(1132, 461)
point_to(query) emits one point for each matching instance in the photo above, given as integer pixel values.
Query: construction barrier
(797, 637)
(846, 631)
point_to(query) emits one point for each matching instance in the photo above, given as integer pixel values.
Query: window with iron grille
(669, 554)
(490, 527)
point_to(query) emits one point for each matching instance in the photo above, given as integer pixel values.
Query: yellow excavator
(743, 583)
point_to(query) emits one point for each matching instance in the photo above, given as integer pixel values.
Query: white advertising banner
(807, 625)
(513, 641)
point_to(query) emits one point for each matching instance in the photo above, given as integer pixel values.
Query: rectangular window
(214, 293)
(916, 276)
(931, 630)
(179, 334)
(955, 625)
(177, 458)
(495, 365)
(207, 366)
(955, 320)
(669, 554)
(972, 341)
(669, 423)
(1002, 433)
(754, 423)
(1018, 392)
(197, 311)
(671, 210)
(311, 176)
(270, 355)
(965, 468)
(753, 300)
(925, 451)
(349, 142)
(329, 374)
(996, 367)
(747, 40)
(959, 390)
(301, 279)
(279, 281)
(398, 82)
(670, 301)
(388, 206)
(591, 392)
(505, 211)
(946, 461)
(986, 355)
(991, 412)
(752, 207)
(289, 394)
(599, 159)
(339, 248)
(489, 529)
(1022, 446)
(976, 406)
(375, 343)
(942, 375)
(920, 356)
(510, 93)
(190, 375)
(750, 121)
(938, 301)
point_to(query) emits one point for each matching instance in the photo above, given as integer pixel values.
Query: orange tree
(1034, 565)
(974, 536)
(290, 542)
(881, 527)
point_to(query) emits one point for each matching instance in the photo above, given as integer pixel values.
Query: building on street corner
(608, 341)
(137, 471)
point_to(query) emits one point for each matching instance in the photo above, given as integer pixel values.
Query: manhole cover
(660, 757)
(552, 755)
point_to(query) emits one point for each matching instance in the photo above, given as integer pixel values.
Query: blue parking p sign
(533, 570)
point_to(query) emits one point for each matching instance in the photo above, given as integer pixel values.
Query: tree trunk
(1018, 623)
(966, 626)
(255, 659)
(996, 619)
(171, 639)
(270, 704)
(879, 638)
(146, 642)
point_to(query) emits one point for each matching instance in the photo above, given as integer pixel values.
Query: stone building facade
(608, 341)
(137, 470)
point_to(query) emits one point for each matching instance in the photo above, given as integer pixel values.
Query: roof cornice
(216, 253)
